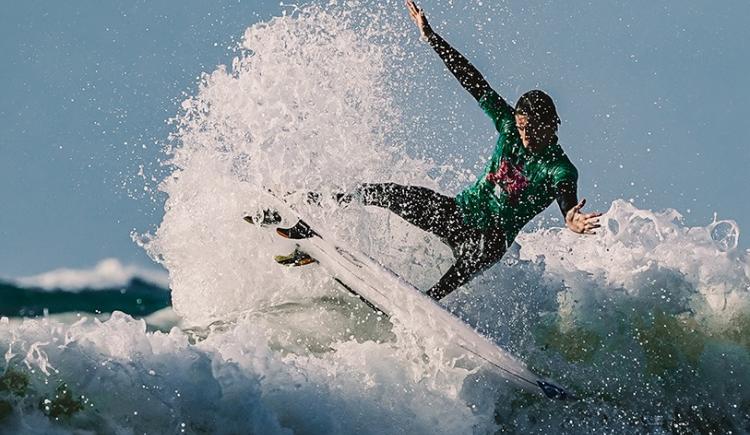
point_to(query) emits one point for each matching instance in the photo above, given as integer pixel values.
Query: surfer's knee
(378, 194)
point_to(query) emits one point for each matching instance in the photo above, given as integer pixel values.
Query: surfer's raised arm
(469, 77)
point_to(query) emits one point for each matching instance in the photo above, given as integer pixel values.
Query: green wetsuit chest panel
(516, 185)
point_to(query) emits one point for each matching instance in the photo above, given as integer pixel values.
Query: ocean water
(648, 322)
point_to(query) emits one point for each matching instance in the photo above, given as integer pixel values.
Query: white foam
(653, 258)
(133, 382)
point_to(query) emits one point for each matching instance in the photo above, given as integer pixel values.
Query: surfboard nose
(552, 391)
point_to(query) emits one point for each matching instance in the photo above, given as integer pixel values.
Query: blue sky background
(653, 96)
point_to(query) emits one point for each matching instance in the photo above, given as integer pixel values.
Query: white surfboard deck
(406, 304)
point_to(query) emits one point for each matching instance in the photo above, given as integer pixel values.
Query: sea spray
(305, 108)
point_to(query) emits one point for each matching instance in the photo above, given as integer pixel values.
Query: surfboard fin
(300, 230)
(296, 258)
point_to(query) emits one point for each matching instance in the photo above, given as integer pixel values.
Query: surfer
(528, 170)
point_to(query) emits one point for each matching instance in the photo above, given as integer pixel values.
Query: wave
(136, 297)
(647, 322)
(108, 273)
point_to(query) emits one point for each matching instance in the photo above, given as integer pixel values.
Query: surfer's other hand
(417, 15)
(582, 223)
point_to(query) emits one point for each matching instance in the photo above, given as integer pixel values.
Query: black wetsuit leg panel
(420, 206)
(478, 251)
(475, 250)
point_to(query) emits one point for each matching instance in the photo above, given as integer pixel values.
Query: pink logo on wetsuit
(510, 179)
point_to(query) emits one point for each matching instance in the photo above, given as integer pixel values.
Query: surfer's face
(535, 135)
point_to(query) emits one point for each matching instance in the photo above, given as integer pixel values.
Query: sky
(653, 97)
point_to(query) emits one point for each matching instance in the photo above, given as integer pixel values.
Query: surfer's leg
(478, 252)
(420, 206)
(458, 274)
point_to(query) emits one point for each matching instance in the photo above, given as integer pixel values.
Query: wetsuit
(484, 219)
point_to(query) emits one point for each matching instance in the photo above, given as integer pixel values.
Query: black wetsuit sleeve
(567, 197)
(469, 77)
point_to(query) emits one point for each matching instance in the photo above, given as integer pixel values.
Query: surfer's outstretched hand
(417, 15)
(582, 223)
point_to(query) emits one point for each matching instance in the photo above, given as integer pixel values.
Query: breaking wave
(648, 323)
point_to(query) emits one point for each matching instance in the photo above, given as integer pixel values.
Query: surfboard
(385, 291)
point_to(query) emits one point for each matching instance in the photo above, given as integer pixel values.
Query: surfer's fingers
(580, 205)
(417, 9)
(412, 7)
(416, 12)
(573, 213)
(414, 15)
